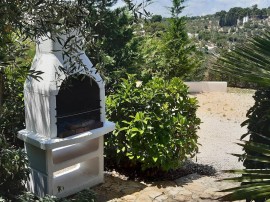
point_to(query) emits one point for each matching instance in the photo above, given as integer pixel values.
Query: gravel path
(222, 114)
(217, 139)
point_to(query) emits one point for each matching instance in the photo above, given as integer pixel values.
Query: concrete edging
(206, 86)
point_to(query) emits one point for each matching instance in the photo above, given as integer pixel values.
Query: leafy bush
(113, 51)
(255, 182)
(250, 62)
(258, 123)
(13, 170)
(156, 124)
(12, 78)
(12, 110)
(83, 196)
(169, 53)
(13, 161)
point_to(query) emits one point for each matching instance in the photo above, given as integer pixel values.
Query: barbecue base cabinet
(64, 166)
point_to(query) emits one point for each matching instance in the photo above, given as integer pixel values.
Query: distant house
(190, 35)
(245, 19)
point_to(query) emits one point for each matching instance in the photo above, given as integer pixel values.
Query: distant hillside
(237, 15)
(214, 34)
(225, 29)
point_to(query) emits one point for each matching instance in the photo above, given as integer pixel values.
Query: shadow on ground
(115, 187)
(118, 185)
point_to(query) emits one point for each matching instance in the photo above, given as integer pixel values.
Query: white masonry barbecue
(65, 121)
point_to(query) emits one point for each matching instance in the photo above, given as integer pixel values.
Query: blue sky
(203, 7)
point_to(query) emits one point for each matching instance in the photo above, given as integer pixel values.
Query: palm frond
(256, 147)
(249, 171)
(255, 183)
(249, 62)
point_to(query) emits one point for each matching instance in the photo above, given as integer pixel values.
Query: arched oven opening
(78, 106)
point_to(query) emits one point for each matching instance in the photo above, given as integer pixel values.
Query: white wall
(206, 86)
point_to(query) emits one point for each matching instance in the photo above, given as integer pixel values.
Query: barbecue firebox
(78, 106)
(65, 120)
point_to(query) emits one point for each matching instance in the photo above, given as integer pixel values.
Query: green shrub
(254, 180)
(156, 124)
(12, 110)
(84, 196)
(13, 161)
(169, 53)
(258, 123)
(13, 170)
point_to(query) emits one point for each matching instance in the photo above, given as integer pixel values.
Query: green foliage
(107, 32)
(258, 123)
(179, 52)
(12, 110)
(113, 49)
(169, 53)
(83, 196)
(230, 18)
(13, 170)
(152, 58)
(156, 124)
(249, 61)
(155, 28)
(204, 35)
(156, 18)
(255, 182)
(13, 163)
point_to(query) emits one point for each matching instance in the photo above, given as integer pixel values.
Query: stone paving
(193, 187)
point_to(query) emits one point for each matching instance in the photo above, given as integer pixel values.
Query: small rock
(185, 193)
(205, 196)
(195, 196)
(129, 198)
(211, 191)
(195, 187)
(161, 198)
(172, 191)
(172, 200)
(143, 198)
(182, 198)
(153, 194)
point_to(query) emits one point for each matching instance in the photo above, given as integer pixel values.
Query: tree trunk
(1, 87)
